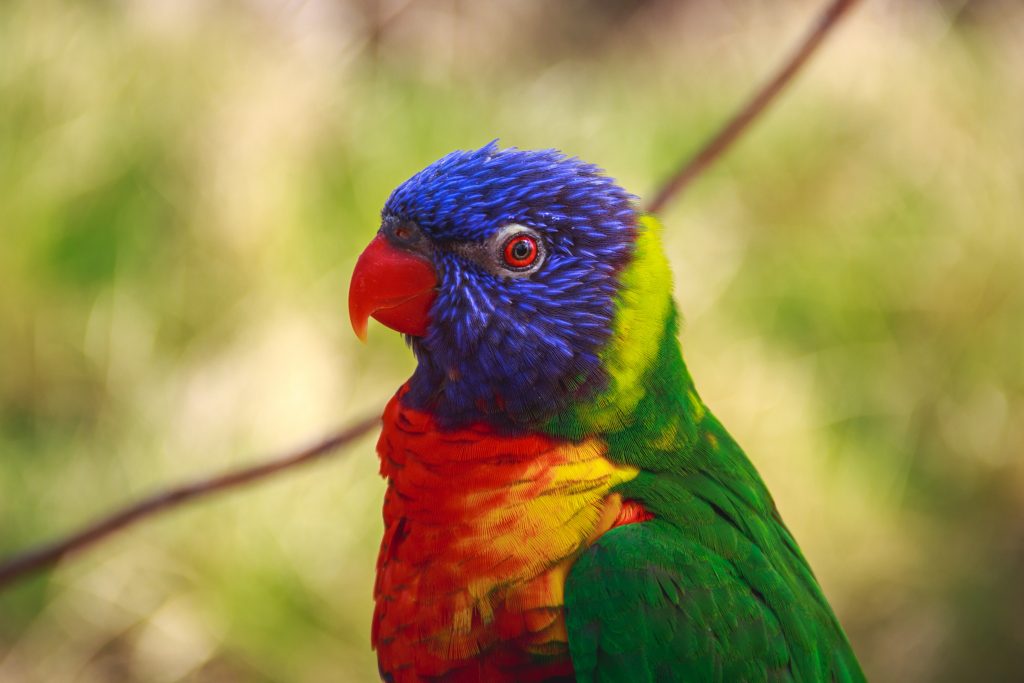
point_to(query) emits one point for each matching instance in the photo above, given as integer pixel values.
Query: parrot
(560, 504)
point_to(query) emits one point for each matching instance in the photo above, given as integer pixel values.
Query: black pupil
(521, 250)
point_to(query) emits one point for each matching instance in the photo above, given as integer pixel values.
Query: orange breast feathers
(480, 532)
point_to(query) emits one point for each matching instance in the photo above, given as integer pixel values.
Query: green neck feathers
(649, 399)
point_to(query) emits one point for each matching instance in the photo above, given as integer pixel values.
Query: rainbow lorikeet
(561, 504)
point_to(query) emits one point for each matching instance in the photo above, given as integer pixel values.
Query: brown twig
(734, 127)
(45, 556)
(48, 555)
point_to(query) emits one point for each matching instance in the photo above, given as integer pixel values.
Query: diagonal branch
(47, 555)
(44, 556)
(727, 135)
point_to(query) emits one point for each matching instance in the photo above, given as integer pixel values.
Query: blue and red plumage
(560, 501)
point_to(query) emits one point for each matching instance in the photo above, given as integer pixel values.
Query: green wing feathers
(644, 604)
(714, 588)
(648, 604)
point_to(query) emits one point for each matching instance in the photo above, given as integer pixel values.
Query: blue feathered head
(525, 248)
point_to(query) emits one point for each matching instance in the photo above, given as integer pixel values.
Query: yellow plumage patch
(644, 303)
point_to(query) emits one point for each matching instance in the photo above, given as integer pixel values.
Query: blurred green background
(184, 187)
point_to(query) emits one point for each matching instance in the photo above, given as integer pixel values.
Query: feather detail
(632, 512)
(481, 530)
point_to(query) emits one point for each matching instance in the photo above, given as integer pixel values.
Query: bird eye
(520, 252)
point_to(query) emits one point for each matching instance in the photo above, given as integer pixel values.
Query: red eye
(520, 251)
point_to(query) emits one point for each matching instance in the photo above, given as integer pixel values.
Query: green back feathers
(715, 588)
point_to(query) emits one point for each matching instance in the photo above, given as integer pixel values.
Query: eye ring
(520, 251)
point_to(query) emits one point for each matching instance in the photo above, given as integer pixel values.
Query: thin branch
(46, 556)
(162, 501)
(727, 135)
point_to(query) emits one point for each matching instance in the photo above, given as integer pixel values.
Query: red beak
(394, 286)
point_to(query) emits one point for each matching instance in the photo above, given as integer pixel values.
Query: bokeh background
(185, 185)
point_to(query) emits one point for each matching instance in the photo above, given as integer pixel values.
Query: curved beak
(394, 286)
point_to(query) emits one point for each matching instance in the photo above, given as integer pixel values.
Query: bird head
(501, 267)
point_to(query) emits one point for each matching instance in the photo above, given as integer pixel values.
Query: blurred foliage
(184, 187)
